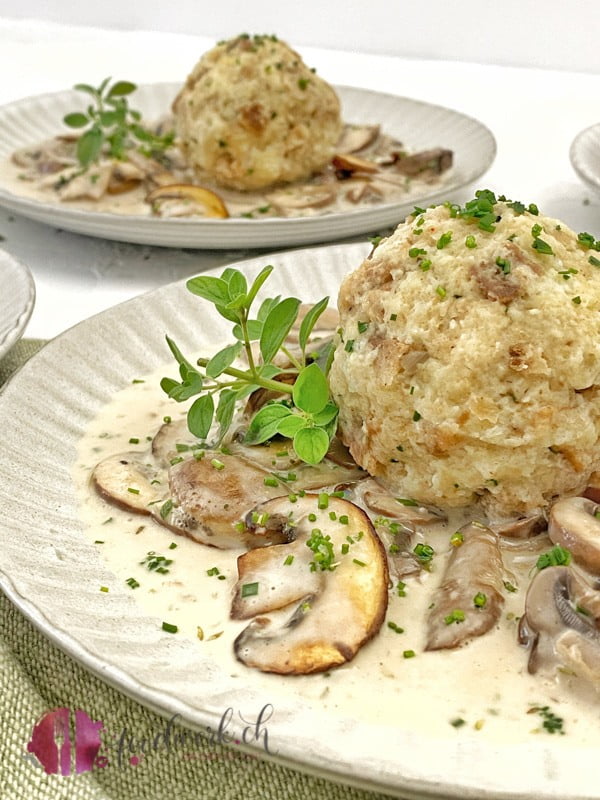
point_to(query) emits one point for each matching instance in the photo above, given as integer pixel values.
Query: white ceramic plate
(585, 156)
(17, 297)
(418, 125)
(52, 571)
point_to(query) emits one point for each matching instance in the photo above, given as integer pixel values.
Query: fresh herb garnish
(112, 126)
(306, 414)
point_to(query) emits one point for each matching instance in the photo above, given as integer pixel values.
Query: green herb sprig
(305, 413)
(112, 125)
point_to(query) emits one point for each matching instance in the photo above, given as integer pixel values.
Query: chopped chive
(134, 440)
(132, 490)
(166, 626)
(104, 588)
(249, 589)
(396, 628)
(217, 464)
(132, 582)
(288, 560)
(455, 616)
(409, 654)
(358, 562)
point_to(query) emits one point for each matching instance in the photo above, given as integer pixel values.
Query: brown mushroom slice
(301, 198)
(523, 527)
(574, 523)
(405, 510)
(357, 137)
(273, 456)
(173, 441)
(349, 164)
(189, 200)
(474, 570)
(365, 192)
(211, 496)
(125, 177)
(427, 162)
(124, 481)
(559, 635)
(331, 612)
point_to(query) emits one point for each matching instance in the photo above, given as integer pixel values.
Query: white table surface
(534, 114)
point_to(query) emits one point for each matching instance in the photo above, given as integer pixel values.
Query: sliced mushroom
(357, 137)
(303, 197)
(173, 441)
(520, 527)
(431, 162)
(211, 496)
(365, 192)
(50, 157)
(558, 633)
(574, 523)
(474, 570)
(90, 184)
(318, 618)
(185, 200)
(407, 511)
(348, 164)
(127, 483)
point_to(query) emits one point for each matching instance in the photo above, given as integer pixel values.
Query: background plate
(17, 298)
(585, 156)
(419, 125)
(52, 571)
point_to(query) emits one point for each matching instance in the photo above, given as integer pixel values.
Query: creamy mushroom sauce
(380, 171)
(484, 683)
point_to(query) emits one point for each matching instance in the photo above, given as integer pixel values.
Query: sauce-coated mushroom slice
(407, 511)
(574, 523)
(520, 527)
(325, 592)
(469, 600)
(290, 200)
(186, 199)
(559, 626)
(357, 137)
(214, 493)
(172, 441)
(127, 483)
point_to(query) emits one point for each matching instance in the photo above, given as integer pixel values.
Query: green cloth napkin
(36, 677)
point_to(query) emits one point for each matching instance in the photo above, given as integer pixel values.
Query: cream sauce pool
(481, 689)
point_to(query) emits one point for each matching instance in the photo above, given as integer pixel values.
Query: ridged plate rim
(32, 119)
(17, 299)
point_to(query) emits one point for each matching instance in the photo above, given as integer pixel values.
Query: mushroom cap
(574, 524)
(558, 632)
(252, 114)
(307, 619)
(487, 361)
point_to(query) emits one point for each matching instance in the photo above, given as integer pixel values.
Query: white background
(560, 34)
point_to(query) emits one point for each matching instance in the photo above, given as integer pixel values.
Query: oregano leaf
(311, 392)
(311, 444)
(200, 416)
